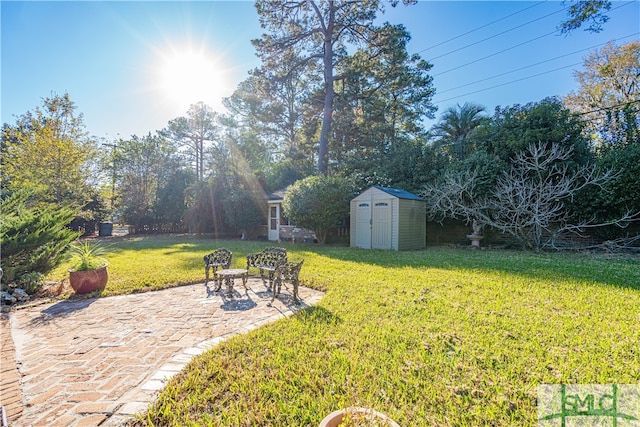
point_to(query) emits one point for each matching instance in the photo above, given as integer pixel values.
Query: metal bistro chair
(286, 271)
(267, 261)
(218, 259)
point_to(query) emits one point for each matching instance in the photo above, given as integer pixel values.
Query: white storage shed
(388, 218)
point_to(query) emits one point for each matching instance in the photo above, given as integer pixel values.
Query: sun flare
(189, 77)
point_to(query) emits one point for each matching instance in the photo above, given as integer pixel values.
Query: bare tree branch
(528, 201)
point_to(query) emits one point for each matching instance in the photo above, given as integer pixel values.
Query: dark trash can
(89, 228)
(106, 229)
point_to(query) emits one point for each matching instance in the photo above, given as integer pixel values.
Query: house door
(274, 222)
(381, 225)
(363, 225)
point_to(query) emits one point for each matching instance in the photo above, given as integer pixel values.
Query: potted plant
(357, 417)
(89, 273)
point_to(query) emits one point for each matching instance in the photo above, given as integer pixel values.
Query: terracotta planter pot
(84, 282)
(359, 417)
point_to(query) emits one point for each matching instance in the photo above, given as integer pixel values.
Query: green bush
(318, 203)
(30, 282)
(34, 239)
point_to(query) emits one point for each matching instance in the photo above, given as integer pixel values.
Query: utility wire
(537, 63)
(481, 27)
(624, 104)
(495, 35)
(510, 82)
(515, 46)
(495, 53)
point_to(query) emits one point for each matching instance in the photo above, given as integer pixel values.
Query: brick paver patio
(89, 362)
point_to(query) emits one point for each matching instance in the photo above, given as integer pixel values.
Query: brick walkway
(10, 397)
(89, 362)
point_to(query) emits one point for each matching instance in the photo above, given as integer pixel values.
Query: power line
(512, 81)
(537, 63)
(495, 53)
(496, 35)
(624, 104)
(515, 46)
(481, 27)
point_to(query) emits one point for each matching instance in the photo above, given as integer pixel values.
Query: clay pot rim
(337, 415)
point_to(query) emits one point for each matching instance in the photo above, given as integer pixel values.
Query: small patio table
(229, 276)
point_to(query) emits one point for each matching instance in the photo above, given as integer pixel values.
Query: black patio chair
(218, 259)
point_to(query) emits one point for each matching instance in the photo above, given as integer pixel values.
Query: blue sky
(117, 60)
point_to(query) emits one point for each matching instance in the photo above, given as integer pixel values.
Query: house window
(283, 219)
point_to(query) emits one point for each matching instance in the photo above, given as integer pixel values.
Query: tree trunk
(201, 155)
(327, 111)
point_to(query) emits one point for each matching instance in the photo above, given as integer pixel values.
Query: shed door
(363, 225)
(381, 225)
(274, 222)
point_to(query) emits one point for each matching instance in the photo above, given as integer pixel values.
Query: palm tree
(457, 123)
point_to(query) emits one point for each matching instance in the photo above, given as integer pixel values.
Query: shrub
(318, 203)
(31, 282)
(34, 239)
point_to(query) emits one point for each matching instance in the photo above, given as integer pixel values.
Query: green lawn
(446, 337)
(139, 264)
